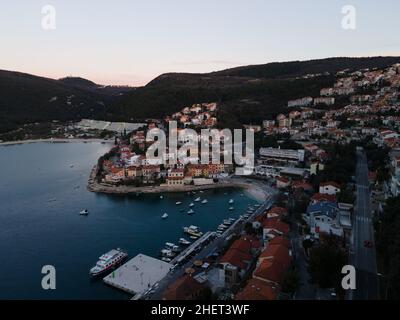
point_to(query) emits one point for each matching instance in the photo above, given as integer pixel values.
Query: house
(270, 271)
(329, 187)
(237, 259)
(282, 182)
(321, 197)
(277, 212)
(150, 172)
(133, 172)
(184, 288)
(323, 217)
(273, 227)
(176, 177)
(257, 289)
(276, 251)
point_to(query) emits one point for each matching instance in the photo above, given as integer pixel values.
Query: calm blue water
(35, 231)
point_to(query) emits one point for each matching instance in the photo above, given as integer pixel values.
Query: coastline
(53, 140)
(255, 189)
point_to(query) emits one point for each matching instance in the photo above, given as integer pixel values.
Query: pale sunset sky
(131, 42)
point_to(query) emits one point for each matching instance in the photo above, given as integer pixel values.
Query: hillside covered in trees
(246, 94)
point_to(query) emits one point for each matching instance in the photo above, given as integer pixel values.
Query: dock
(138, 275)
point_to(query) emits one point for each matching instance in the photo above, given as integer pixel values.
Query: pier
(138, 275)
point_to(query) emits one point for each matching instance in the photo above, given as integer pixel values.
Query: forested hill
(246, 94)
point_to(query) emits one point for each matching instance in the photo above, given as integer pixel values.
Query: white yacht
(178, 203)
(184, 242)
(108, 261)
(231, 201)
(191, 205)
(204, 201)
(164, 216)
(197, 199)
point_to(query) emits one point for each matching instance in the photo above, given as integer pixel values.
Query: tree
(291, 282)
(326, 263)
(388, 248)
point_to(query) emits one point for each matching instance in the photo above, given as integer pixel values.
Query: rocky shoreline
(254, 189)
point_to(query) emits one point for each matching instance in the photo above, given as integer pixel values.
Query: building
(238, 258)
(282, 155)
(302, 102)
(257, 289)
(184, 288)
(282, 182)
(328, 101)
(323, 217)
(329, 187)
(176, 177)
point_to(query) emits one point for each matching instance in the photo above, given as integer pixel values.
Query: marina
(131, 222)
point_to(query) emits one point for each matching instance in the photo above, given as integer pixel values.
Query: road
(214, 246)
(361, 257)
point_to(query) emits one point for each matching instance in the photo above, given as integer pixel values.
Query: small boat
(204, 201)
(222, 226)
(52, 200)
(231, 201)
(201, 191)
(191, 211)
(194, 237)
(231, 208)
(197, 199)
(164, 216)
(191, 205)
(165, 259)
(84, 212)
(227, 222)
(178, 203)
(71, 166)
(184, 242)
(167, 253)
(161, 197)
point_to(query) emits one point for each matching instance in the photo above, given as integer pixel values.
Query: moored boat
(108, 261)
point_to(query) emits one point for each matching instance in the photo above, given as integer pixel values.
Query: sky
(130, 42)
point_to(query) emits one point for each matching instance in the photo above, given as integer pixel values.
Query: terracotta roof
(302, 184)
(278, 210)
(239, 254)
(258, 290)
(277, 253)
(270, 270)
(276, 224)
(319, 197)
(184, 288)
(283, 241)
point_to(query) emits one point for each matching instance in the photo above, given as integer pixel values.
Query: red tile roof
(258, 290)
(277, 253)
(319, 197)
(283, 241)
(270, 270)
(239, 254)
(184, 288)
(276, 224)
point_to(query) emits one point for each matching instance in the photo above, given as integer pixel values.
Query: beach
(254, 189)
